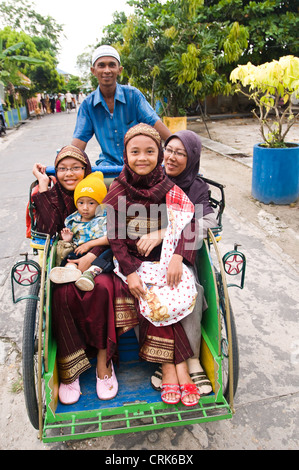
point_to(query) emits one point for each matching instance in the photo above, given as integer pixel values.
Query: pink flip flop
(189, 389)
(170, 388)
(69, 393)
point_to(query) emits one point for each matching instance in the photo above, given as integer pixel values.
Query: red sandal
(189, 389)
(170, 388)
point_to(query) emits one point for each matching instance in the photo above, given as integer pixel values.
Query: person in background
(52, 103)
(81, 97)
(112, 109)
(68, 104)
(58, 104)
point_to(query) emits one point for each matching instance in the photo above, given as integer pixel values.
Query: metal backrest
(217, 203)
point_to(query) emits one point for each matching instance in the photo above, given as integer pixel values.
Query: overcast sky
(84, 22)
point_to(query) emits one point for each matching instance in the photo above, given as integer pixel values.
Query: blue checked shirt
(85, 231)
(94, 117)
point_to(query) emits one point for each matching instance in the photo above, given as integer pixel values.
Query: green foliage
(272, 26)
(21, 15)
(31, 42)
(45, 78)
(10, 58)
(184, 50)
(74, 85)
(168, 52)
(23, 56)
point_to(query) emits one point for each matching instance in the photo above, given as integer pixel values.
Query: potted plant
(172, 111)
(275, 171)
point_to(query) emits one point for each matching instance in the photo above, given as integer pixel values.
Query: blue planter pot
(275, 174)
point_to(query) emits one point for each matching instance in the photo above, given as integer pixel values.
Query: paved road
(266, 311)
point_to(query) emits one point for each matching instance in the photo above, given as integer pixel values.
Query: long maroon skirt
(164, 344)
(81, 320)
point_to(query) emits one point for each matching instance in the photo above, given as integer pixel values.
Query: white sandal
(199, 377)
(64, 274)
(197, 374)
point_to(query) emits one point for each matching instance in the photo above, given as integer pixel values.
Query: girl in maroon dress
(79, 319)
(142, 182)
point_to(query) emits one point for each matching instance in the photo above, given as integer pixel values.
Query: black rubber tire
(224, 343)
(235, 354)
(29, 354)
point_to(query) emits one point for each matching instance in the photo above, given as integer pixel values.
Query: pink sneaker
(107, 387)
(69, 393)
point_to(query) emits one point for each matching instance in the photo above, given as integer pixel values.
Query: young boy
(86, 228)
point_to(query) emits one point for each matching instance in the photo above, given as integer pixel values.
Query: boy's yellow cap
(92, 186)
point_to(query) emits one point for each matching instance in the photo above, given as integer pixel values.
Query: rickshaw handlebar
(107, 171)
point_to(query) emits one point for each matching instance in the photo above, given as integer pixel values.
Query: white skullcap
(105, 51)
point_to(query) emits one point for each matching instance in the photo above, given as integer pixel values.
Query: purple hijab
(189, 181)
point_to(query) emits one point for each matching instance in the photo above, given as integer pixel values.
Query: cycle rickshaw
(137, 406)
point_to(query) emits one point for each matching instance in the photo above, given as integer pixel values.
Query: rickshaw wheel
(224, 350)
(30, 356)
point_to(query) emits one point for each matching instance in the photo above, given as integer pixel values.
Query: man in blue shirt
(112, 109)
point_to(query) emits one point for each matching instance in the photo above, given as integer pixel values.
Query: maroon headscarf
(53, 206)
(189, 180)
(145, 190)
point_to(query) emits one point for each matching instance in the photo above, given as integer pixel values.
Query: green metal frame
(239, 266)
(140, 415)
(132, 418)
(14, 279)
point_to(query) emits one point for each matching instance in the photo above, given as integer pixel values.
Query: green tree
(184, 50)
(21, 15)
(74, 85)
(83, 64)
(272, 25)
(10, 60)
(45, 77)
(168, 53)
(40, 67)
(40, 35)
